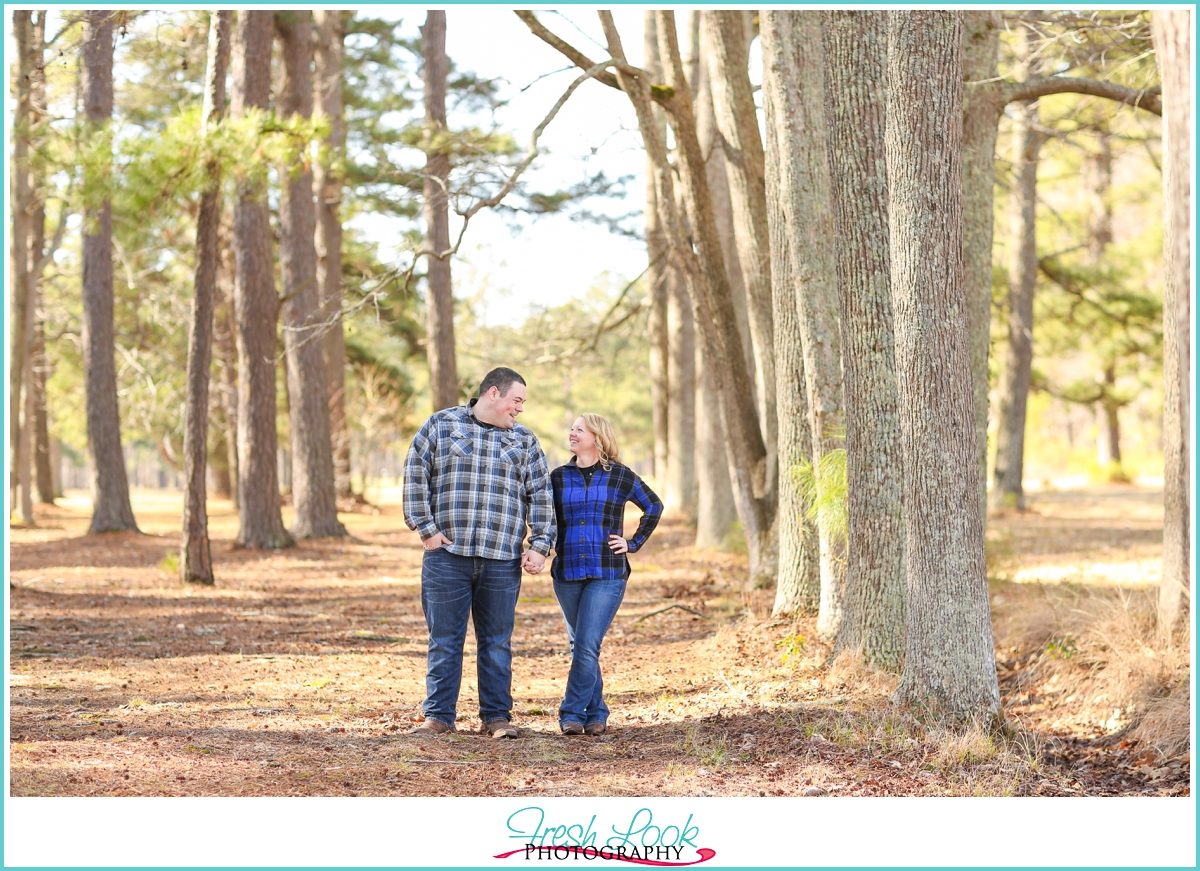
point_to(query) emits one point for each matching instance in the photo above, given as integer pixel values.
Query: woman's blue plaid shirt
(479, 486)
(587, 514)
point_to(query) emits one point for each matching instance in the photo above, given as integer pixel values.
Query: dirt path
(301, 671)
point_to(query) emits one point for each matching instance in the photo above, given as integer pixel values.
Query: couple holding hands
(473, 481)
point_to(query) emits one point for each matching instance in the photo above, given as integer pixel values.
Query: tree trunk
(313, 493)
(725, 49)
(657, 278)
(37, 353)
(798, 589)
(716, 511)
(19, 243)
(949, 656)
(707, 287)
(1109, 443)
(983, 104)
(792, 43)
(439, 317)
(195, 565)
(874, 609)
(1007, 489)
(1172, 41)
(680, 497)
(331, 37)
(715, 507)
(712, 305)
(256, 307)
(111, 509)
(225, 339)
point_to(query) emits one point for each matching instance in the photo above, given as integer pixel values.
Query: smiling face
(506, 407)
(580, 439)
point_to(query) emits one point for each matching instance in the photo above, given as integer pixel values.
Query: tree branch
(1044, 87)
(658, 93)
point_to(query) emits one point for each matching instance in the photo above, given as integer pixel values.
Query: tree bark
(680, 497)
(949, 656)
(256, 306)
(225, 339)
(439, 309)
(712, 306)
(1007, 489)
(331, 36)
(313, 493)
(874, 609)
(792, 51)
(725, 50)
(1172, 42)
(716, 513)
(111, 509)
(707, 287)
(983, 104)
(657, 277)
(37, 352)
(798, 589)
(19, 243)
(195, 565)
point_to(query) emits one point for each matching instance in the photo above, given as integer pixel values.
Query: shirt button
(582, 522)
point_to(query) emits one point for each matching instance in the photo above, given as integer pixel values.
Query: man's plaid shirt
(588, 514)
(479, 486)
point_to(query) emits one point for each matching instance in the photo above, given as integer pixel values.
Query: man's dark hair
(501, 378)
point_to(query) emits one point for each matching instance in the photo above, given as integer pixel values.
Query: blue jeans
(588, 608)
(452, 587)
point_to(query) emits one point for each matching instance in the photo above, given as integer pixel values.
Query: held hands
(617, 544)
(533, 562)
(435, 541)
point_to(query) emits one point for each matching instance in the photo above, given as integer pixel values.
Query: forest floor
(302, 670)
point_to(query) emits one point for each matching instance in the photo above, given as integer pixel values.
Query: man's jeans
(452, 587)
(589, 607)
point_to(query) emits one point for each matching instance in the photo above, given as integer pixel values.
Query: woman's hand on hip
(617, 544)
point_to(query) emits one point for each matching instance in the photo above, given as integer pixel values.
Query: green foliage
(823, 487)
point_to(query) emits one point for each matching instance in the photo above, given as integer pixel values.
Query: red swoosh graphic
(705, 855)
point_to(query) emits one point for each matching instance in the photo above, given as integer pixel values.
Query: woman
(590, 568)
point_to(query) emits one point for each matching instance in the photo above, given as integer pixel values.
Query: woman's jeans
(588, 607)
(452, 587)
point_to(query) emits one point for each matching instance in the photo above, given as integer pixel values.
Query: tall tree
(1173, 44)
(196, 563)
(256, 306)
(716, 512)
(680, 497)
(874, 608)
(798, 589)
(657, 278)
(704, 271)
(313, 493)
(726, 55)
(39, 257)
(22, 201)
(111, 509)
(439, 317)
(949, 656)
(1007, 489)
(331, 26)
(798, 84)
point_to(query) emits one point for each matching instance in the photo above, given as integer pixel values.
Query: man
(473, 480)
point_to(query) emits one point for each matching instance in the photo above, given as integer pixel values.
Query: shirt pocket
(461, 446)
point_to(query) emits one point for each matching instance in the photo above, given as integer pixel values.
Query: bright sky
(555, 258)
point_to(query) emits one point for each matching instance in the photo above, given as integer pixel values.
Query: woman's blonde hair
(606, 438)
